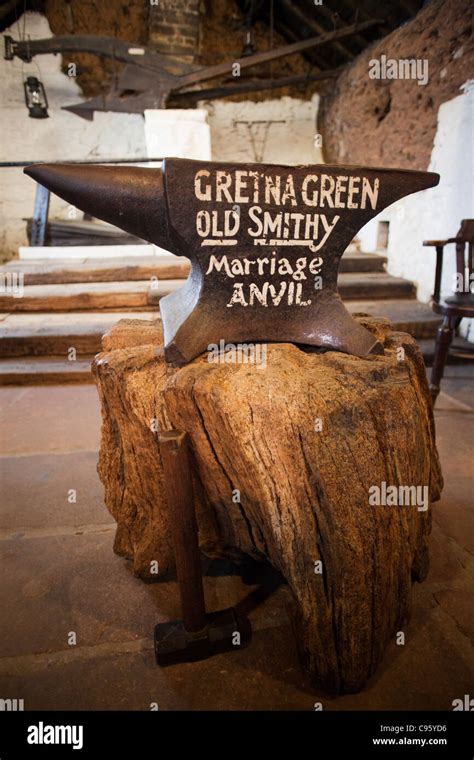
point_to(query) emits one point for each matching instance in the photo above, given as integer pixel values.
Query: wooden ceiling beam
(317, 58)
(356, 9)
(255, 85)
(223, 69)
(306, 20)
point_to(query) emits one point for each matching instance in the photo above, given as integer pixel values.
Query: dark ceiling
(299, 19)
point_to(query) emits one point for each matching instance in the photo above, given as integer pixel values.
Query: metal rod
(180, 499)
(40, 216)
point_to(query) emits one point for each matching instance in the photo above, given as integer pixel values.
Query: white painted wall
(435, 213)
(283, 130)
(178, 132)
(62, 136)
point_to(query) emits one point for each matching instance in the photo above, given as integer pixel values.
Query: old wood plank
(59, 252)
(39, 370)
(91, 295)
(406, 315)
(31, 334)
(47, 272)
(368, 285)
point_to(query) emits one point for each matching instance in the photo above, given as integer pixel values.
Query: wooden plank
(41, 371)
(362, 262)
(140, 294)
(47, 272)
(368, 285)
(170, 267)
(352, 285)
(459, 351)
(33, 334)
(90, 251)
(92, 295)
(406, 315)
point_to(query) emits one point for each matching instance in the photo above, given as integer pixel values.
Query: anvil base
(224, 632)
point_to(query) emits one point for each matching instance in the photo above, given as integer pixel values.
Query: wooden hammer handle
(182, 517)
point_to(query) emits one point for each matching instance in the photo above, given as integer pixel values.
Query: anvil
(264, 241)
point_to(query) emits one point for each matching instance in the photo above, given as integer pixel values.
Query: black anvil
(264, 242)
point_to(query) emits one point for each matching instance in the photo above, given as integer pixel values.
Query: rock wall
(125, 20)
(172, 27)
(392, 122)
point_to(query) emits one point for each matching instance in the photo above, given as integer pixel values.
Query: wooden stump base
(288, 460)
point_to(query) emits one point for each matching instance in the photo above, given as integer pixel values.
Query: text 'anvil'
(264, 242)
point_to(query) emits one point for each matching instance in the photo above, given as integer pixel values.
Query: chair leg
(443, 341)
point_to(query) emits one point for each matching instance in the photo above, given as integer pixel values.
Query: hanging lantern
(35, 98)
(249, 47)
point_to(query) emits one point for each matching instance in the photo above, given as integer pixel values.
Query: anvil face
(264, 241)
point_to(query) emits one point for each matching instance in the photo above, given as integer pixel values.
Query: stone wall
(392, 122)
(435, 213)
(400, 123)
(125, 20)
(174, 27)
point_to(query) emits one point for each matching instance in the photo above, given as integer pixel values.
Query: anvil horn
(128, 197)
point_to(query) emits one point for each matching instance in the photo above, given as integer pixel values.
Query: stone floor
(60, 580)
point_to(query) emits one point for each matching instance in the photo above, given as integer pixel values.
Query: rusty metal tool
(264, 241)
(198, 634)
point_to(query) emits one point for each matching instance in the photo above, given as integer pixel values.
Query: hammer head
(225, 631)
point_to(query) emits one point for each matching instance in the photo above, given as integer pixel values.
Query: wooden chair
(457, 306)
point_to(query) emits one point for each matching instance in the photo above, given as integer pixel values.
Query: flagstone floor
(76, 625)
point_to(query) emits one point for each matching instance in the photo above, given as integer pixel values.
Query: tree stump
(285, 459)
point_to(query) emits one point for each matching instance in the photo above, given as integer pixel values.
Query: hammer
(199, 634)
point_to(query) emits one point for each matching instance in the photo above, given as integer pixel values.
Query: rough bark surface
(304, 493)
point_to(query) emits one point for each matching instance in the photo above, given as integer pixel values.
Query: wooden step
(90, 295)
(406, 315)
(52, 369)
(165, 267)
(48, 272)
(32, 334)
(53, 334)
(356, 261)
(139, 294)
(45, 370)
(460, 351)
(374, 285)
(75, 252)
